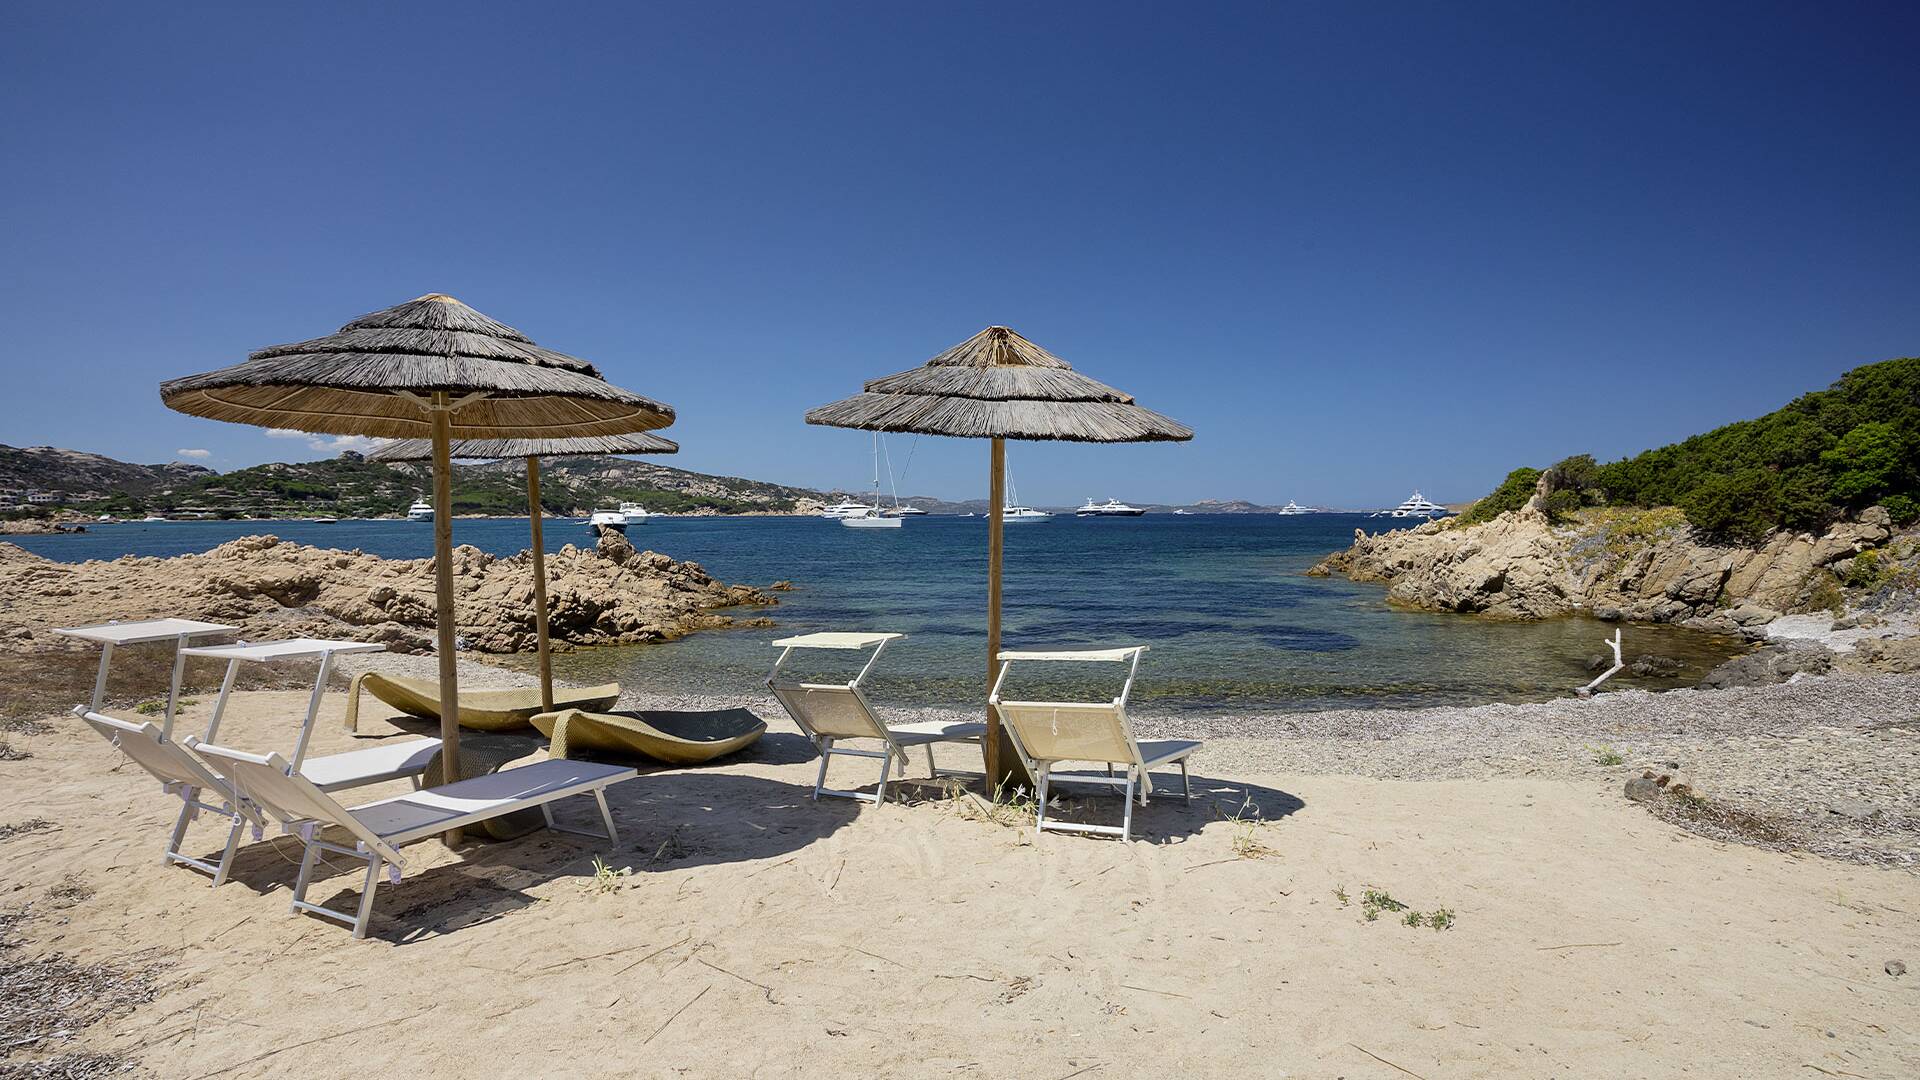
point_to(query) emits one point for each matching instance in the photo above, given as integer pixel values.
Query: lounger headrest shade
(833, 640)
(834, 711)
(1127, 653)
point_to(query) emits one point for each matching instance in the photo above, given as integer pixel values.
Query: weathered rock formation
(1617, 564)
(273, 588)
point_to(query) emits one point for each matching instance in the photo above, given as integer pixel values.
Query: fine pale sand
(761, 934)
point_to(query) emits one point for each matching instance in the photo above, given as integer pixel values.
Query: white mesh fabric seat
(1050, 733)
(381, 827)
(831, 713)
(182, 774)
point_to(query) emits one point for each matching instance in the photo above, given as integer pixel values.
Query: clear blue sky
(1358, 247)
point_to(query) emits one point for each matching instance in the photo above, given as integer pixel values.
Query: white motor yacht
(610, 519)
(1417, 505)
(844, 508)
(1295, 508)
(421, 510)
(1110, 508)
(635, 513)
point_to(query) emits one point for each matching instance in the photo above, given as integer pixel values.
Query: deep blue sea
(1233, 622)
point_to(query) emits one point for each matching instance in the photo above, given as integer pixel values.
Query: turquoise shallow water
(1233, 623)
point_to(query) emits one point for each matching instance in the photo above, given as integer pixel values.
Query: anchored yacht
(1110, 508)
(844, 508)
(855, 516)
(635, 513)
(421, 510)
(1417, 505)
(1295, 508)
(870, 518)
(607, 519)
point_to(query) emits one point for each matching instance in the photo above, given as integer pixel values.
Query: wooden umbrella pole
(539, 584)
(996, 515)
(443, 593)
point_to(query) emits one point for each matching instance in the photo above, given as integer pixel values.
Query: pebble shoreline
(1829, 763)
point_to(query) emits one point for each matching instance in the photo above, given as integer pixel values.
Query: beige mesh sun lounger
(380, 828)
(182, 774)
(1047, 733)
(830, 713)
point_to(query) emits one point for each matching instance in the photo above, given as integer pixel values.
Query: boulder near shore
(607, 595)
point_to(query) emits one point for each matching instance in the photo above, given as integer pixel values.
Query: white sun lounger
(380, 828)
(182, 774)
(830, 712)
(1047, 733)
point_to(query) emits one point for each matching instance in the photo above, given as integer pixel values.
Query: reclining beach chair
(182, 774)
(381, 827)
(1047, 733)
(831, 712)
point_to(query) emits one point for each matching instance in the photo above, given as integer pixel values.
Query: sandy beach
(761, 934)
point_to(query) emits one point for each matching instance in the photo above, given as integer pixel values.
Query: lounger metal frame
(792, 697)
(184, 775)
(304, 809)
(1122, 749)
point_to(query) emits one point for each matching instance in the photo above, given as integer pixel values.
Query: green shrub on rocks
(1827, 455)
(1512, 494)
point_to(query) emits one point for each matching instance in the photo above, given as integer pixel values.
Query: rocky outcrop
(1773, 664)
(1617, 564)
(612, 595)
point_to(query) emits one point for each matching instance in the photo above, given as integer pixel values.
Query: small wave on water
(1233, 623)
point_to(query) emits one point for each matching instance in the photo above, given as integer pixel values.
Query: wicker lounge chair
(677, 738)
(481, 710)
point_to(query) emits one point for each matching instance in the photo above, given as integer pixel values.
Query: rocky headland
(606, 595)
(1844, 598)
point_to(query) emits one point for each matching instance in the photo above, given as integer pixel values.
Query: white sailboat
(1014, 513)
(871, 517)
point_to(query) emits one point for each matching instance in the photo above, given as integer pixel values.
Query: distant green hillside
(349, 486)
(1827, 454)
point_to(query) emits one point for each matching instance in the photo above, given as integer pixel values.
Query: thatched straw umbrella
(429, 368)
(533, 450)
(998, 385)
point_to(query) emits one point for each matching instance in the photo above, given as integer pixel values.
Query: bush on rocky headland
(1823, 458)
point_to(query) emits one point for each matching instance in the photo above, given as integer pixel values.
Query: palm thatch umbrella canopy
(998, 385)
(533, 450)
(434, 368)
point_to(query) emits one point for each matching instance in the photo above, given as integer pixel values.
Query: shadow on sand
(666, 821)
(1167, 817)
